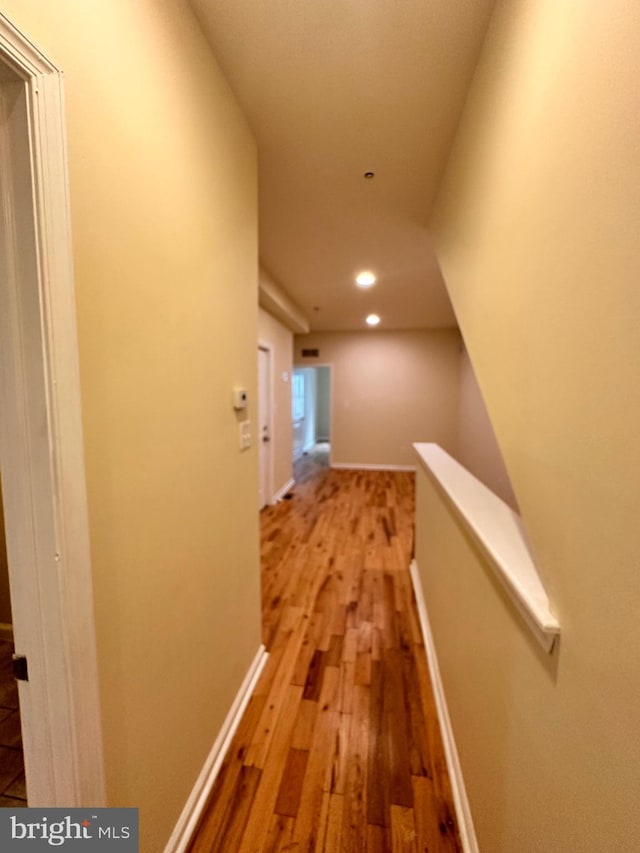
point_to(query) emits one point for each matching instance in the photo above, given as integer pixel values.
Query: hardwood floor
(339, 748)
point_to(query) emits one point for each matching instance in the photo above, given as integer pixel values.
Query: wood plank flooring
(339, 748)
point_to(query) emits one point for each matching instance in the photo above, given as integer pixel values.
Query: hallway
(339, 748)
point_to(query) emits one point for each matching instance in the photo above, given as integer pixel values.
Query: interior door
(264, 425)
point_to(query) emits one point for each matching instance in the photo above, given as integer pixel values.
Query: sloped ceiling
(333, 89)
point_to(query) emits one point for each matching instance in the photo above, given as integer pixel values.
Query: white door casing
(41, 443)
(265, 408)
(299, 414)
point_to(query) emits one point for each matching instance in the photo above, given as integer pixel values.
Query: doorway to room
(41, 451)
(13, 792)
(265, 482)
(17, 265)
(311, 401)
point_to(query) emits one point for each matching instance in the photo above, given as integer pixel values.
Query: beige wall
(537, 235)
(163, 198)
(502, 695)
(280, 339)
(389, 390)
(476, 446)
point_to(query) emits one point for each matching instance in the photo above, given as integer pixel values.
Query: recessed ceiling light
(365, 279)
(373, 320)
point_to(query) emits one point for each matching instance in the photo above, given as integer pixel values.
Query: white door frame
(41, 450)
(267, 347)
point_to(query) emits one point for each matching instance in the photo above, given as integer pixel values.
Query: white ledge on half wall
(499, 532)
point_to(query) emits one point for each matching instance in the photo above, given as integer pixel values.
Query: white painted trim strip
(368, 466)
(188, 820)
(461, 802)
(500, 533)
(283, 491)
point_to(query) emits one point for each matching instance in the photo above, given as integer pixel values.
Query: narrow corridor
(339, 748)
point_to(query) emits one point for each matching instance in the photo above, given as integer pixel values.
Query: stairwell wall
(536, 229)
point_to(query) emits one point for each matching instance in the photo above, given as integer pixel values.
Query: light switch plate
(245, 435)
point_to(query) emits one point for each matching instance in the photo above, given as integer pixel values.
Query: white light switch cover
(245, 435)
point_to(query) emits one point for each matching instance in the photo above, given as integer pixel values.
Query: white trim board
(368, 466)
(500, 533)
(283, 491)
(188, 821)
(461, 802)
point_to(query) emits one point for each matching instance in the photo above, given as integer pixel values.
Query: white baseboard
(6, 631)
(367, 466)
(283, 491)
(461, 802)
(188, 820)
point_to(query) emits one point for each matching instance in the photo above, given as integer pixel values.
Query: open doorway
(265, 406)
(311, 412)
(41, 447)
(13, 791)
